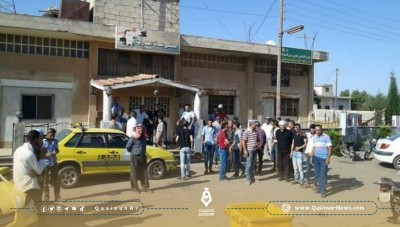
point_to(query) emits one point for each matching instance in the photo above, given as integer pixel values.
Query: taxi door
(118, 157)
(92, 153)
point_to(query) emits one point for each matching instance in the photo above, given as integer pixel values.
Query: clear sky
(361, 36)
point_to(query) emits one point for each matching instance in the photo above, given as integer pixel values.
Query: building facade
(328, 98)
(60, 70)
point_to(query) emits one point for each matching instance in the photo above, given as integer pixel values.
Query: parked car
(102, 151)
(15, 210)
(387, 150)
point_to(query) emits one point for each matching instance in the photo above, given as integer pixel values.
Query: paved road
(177, 203)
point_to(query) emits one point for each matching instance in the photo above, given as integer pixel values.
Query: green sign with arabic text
(296, 56)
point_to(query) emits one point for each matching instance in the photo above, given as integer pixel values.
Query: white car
(388, 150)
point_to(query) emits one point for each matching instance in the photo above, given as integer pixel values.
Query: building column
(107, 101)
(197, 106)
(197, 146)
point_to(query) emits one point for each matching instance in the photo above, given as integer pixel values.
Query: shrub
(384, 131)
(336, 139)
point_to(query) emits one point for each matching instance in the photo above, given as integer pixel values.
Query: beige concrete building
(60, 70)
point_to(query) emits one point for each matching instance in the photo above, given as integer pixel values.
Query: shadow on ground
(337, 184)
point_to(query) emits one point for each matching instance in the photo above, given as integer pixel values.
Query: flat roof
(83, 30)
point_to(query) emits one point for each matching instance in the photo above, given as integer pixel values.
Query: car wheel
(69, 176)
(396, 162)
(156, 170)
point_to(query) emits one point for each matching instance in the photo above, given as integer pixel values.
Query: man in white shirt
(26, 167)
(268, 128)
(307, 152)
(188, 114)
(131, 124)
(141, 115)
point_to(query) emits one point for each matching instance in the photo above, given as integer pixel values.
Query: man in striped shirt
(250, 142)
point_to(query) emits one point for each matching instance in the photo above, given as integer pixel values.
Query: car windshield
(62, 134)
(394, 137)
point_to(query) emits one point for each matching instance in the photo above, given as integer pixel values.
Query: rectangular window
(43, 46)
(290, 107)
(228, 103)
(37, 107)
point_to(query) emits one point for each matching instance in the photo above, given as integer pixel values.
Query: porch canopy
(109, 84)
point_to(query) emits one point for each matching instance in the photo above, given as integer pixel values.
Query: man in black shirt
(284, 146)
(298, 145)
(185, 137)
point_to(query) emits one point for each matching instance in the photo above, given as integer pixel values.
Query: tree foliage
(345, 93)
(317, 99)
(393, 101)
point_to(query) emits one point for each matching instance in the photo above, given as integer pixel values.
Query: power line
(224, 11)
(338, 11)
(363, 11)
(343, 26)
(341, 19)
(266, 15)
(219, 21)
(344, 31)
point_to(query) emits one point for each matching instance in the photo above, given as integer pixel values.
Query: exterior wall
(45, 68)
(158, 15)
(330, 101)
(321, 90)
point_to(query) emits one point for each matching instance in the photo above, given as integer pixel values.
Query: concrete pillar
(18, 136)
(198, 125)
(197, 106)
(107, 101)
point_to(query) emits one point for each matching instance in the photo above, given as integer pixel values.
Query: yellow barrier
(257, 215)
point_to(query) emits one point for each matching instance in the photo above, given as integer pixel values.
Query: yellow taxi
(100, 151)
(15, 210)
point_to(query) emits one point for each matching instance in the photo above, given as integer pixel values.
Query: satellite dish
(270, 42)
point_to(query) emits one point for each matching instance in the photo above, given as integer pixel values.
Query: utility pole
(279, 62)
(337, 74)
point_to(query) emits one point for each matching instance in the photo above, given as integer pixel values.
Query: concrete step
(6, 160)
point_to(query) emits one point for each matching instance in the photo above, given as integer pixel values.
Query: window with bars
(213, 61)
(269, 65)
(289, 107)
(227, 101)
(150, 102)
(43, 46)
(37, 107)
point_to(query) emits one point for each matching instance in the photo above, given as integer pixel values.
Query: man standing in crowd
(160, 132)
(307, 152)
(284, 139)
(250, 144)
(50, 147)
(189, 116)
(235, 151)
(26, 167)
(131, 125)
(209, 140)
(221, 114)
(298, 145)
(269, 133)
(137, 147)
(223, 143)
(230, 131)
(185, 138)
(320, 156)
(116, 108)
(260, 149)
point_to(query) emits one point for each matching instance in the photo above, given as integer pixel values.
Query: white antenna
(7, 6)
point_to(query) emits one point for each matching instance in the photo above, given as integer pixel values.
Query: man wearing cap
(50, 147)
(284, 139)
(221, 114)
(137, 147)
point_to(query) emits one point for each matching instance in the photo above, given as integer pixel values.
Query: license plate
(384, 196)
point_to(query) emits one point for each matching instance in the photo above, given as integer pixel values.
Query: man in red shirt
(221, 114)
(223, 151)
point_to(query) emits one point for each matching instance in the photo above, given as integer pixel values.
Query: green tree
(317, 99)
(380, 104)
(345, 93)
(361, 100)
(393, 101)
